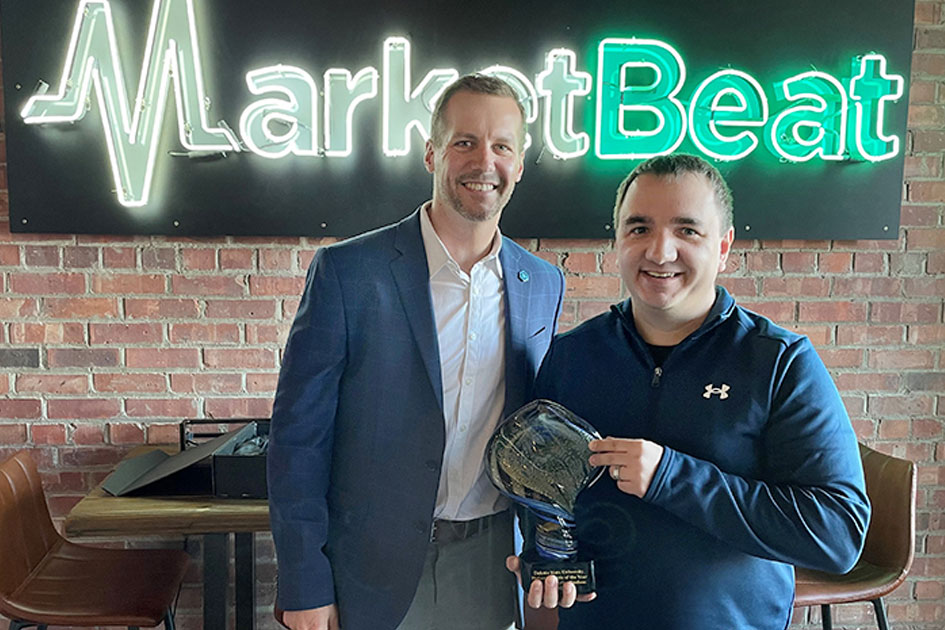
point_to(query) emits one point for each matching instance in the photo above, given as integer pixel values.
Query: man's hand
(632, 462)
(546, 593)
(324, 618)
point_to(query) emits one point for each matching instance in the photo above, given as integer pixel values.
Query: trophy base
(581, 572)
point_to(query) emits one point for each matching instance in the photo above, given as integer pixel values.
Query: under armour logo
(721, 391)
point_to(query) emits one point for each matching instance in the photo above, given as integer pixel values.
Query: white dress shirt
(469, 310)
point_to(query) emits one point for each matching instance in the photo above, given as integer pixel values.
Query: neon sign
(641, 102)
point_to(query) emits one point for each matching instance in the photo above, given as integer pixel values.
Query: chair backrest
(26, 530)
(891, 487)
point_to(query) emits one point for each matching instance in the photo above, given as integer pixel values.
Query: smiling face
(671, 247)
(480, 160)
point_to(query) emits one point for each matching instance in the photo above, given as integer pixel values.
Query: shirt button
(472, 336)
(463, 427)
(468, 381)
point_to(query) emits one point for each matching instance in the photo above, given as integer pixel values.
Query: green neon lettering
(620, 102)
(870, 90)
(275, 127)
(403, 109)
(816, 125)
(559, 83)
(131, 134)
(342, 94)
(712, 118)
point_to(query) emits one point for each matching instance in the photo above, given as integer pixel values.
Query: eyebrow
(636, 219)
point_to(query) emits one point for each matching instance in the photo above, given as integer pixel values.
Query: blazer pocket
(538, 332)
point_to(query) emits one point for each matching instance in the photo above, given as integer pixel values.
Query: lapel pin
(523, 275)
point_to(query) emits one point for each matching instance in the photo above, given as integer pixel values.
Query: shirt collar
(437, 254)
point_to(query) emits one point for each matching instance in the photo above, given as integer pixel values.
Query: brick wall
(107, 342)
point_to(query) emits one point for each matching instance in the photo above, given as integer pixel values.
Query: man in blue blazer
(410, 343)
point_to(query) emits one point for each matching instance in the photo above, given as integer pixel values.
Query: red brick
(211, 383)
(198, 259)
(69, 408)
(928, 141)
(70, 482)
(129, 382)
(267, 333)
(869, 335)
(781, 311)
(581, 262)
(82, 357)
(592, 308)
(48, 433)
(53, 383)
(841, 358)
(734, 263)
(262, 383)
(927, 191)
(11, 308)
(275, 285)
(869, 262)
(144, 308)
(925, 287)
(9, 256)
(118, 257)
(763, 261)
(924, 381)
(12, 433)
(237, 258)
(47, 283)
(159, 258)
(208, 285)
(926, 429)
(575, 244)
(911, 264)
(238, 407)
(927, 12)
(290, 307)
(161, 408)
(552, 258)
(609, 263)
(808, 286)
(740, 287)
(936, 262)
(891, 406)
(919, 92)
(926, 334)
(855, 404)
(41, 256)
(66, 332)
(214, 333)
(305, 259)
(125, 433)
(128, 283)
(111, 334)
(798, 262)
(867, 381)
(869, 245)
(593, 287)
(926, 116)
(928, 64)
(61, 505)
(90, 456)
(162, 357)
(873, 287)
(80, 308)
(905, 312)
(163, 433)
(183, 383)
(930, 590)
(918, 216)
(79, 257)
(836, 311)
(241, 309)
(251, 358)
(86, 434)
(818, 335)
(900, 359)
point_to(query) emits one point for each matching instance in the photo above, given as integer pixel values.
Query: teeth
(668, 274)
(479, 187)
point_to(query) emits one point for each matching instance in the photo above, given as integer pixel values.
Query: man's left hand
(631, 463)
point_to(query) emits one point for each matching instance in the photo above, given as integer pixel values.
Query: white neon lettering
(403, 109)
(558, 84)
(527, 95)
(172, 55)
(871, 114)
(296, 113)
(804, 131)
(740, 87)
(342, 94)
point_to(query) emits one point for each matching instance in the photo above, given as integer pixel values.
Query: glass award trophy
(538, 457)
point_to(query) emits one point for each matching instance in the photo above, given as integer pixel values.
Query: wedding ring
(615, 472)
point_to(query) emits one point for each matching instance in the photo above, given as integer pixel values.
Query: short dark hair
(675, 165)
(477, 84)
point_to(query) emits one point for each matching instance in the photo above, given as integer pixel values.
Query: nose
(661, 249)
(483, 158)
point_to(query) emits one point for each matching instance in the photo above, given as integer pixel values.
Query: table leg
(245, 581)
(215, 577)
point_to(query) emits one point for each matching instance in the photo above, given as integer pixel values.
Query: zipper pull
(657, 373)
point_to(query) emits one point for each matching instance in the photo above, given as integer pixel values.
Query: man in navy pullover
(733, 457)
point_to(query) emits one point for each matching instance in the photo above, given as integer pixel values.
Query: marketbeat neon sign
(638, 109)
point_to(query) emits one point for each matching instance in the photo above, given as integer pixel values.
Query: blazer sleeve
(301, 437)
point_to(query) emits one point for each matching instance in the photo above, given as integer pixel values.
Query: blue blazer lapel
(413, 283)
(515, 278)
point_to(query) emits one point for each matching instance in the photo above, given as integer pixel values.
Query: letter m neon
(131, 133)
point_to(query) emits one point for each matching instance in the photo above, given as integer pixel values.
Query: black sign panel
(241, 117)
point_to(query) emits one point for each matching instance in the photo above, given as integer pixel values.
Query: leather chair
(47, 580)
(890, 543)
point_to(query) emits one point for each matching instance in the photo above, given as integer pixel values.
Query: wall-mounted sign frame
(205, 117)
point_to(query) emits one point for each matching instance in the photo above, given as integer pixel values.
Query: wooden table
(100, 514)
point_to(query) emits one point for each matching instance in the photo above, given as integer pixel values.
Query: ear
(428, 156)
(725, 248)
(521, 167)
